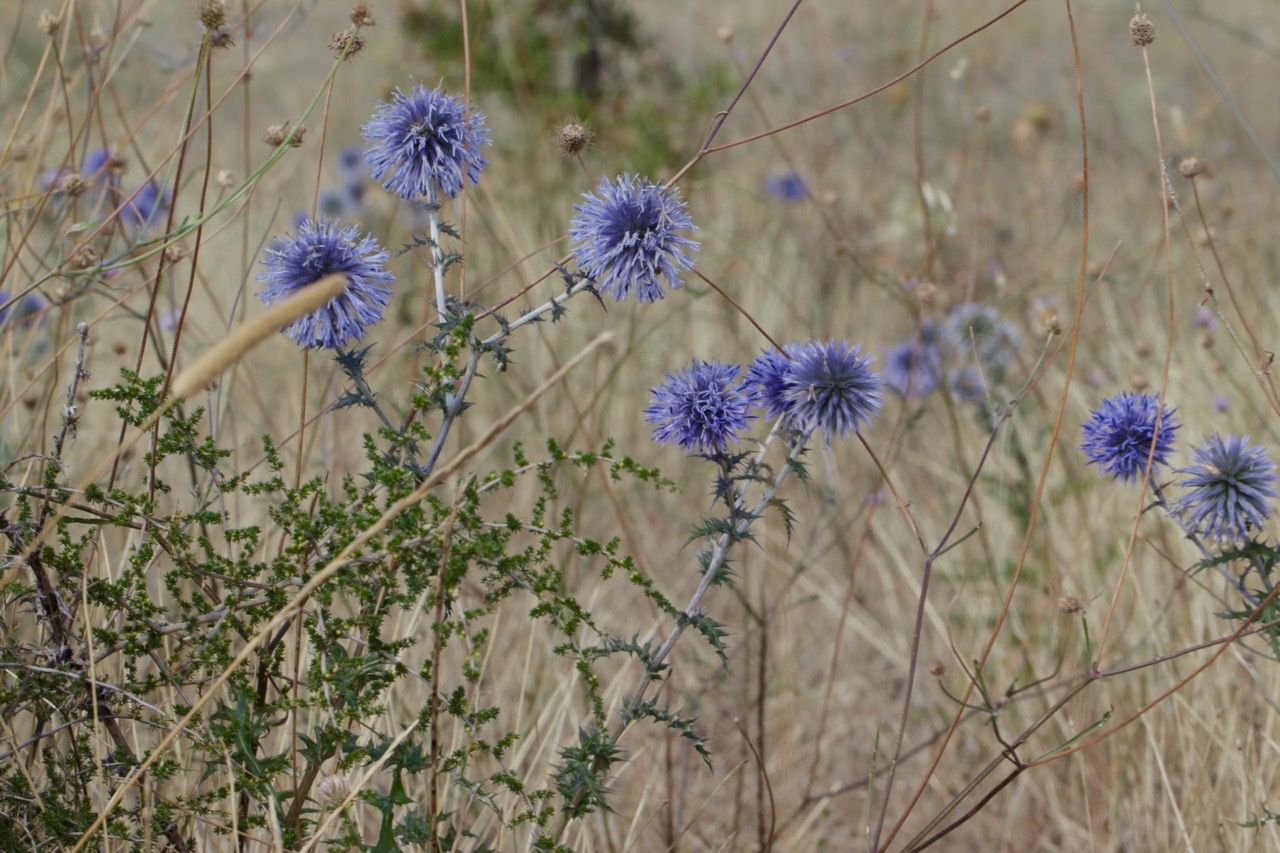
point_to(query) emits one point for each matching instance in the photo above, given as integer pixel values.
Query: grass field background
(963, 182)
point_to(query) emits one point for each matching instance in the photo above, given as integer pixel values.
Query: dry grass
(1150, 754)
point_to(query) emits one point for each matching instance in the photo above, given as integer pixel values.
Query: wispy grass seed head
(627, 235)
(702, 408)
(1119, 434)
(425, 139)
(1229, 488)
(323, 248)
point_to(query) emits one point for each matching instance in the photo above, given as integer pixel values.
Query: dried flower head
(73, 184)
(225, 179)
(702, 408)
(1191, 167)
(361, 16)
(627, 234)
(424, 141)
(48, 23)
(1229, 488)
(213, 15)
(574, 138)
(1141, 31)
(280, 134)
(1121, 432)
(346, 43)
(321, 249)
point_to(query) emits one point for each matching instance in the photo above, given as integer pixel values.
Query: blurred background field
(963, 183)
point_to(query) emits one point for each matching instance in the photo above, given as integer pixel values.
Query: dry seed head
(725, 34)
(982, 114)
(175, 252)
(279, 134)
(927, 293)
(1070, 605)
(213, 15)
(574, 138)
(18, 152)
(345, 40)
(225, 179)
(1191, 167)
(48, 23)
(221, 39)
(1141, 31)
(361, 16)
(73, 184)
(938, 669)
(82, 259)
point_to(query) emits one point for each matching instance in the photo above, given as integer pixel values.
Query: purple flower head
(1119, 434)
(1205, 319)
(425, 140)
(913, 367)
(788, 187)
(966, 385)
(323, 248)
(627, 233)
(146, 207)
(1229, 488)
(830, 386)
(766, 376)
(27, 311)
(701, 408)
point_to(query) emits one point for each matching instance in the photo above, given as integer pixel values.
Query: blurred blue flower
(27, 311)
(978, 330)
(627, 234)
(789, 187)
(95, 164)
(1119, 434)
(425, 139)
(701, 408)
(830, 386)
(966, 385)
(323, 248)
(1230, 488)
(913, 367)
(147, 206)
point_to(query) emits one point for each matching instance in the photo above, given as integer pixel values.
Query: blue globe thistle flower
(913, 367)
(323, 248)
(146, 207)
(701, 408)
(831, 386)
(425, 139)
(788, 187)
(766, 377)
(1230, 488)
(966, 385)
(1119, 434)
(626, 235)
(979, 330)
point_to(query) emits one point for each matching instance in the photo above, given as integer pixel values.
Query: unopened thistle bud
(1141, 31)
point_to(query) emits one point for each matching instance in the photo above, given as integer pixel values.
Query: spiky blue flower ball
(766, 377)
(425, 139)
(830, 386)
(1229, 488)
(627, 235)
(1119, 434)
(702, 408)
(320, 249)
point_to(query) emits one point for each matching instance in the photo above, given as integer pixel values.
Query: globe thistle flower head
(913, 367)
(626, 236)
(146, 207)
(323, 248)
(1119, 434)
(788, 187)
(425, 139)
(1229, 488)
(701, 408)
(766, 377)
(978, 330)
(831, 386)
